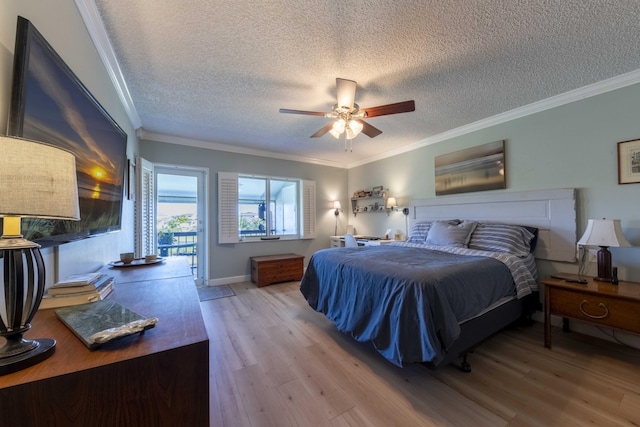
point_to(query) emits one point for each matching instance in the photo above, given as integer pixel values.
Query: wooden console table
(159, 378)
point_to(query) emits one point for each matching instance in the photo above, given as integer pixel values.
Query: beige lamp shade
(603, 232)
(37, 180)
(391, 203)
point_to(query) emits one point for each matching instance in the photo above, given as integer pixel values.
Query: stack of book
(78, 289)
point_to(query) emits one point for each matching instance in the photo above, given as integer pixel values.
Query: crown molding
(93, 22)
(171, 139)
(584, 92)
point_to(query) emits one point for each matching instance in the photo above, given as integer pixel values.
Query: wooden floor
(276, 362)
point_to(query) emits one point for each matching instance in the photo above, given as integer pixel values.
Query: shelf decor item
(39, 181)
(629, 162)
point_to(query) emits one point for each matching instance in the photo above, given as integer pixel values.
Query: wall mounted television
(50, 104)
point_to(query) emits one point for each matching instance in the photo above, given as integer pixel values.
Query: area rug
(214, 292)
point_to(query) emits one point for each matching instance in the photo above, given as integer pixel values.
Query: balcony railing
(179, 243)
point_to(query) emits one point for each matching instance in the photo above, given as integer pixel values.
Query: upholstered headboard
(553, 212)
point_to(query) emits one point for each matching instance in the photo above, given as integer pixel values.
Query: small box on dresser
(269, 269)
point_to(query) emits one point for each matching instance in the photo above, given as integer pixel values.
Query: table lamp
(603, 233)
(36, 181)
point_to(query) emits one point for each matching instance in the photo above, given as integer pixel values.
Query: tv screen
(50, 104)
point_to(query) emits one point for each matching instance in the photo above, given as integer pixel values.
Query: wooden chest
(269, 269)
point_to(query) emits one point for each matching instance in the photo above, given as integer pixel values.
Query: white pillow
(444, 233)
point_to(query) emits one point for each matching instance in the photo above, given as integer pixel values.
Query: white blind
(308, 229)
(145, 226)
(228, 207)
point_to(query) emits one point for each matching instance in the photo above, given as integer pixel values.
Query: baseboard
(228, 280)
(232, 279)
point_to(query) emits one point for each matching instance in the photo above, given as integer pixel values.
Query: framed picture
(478, 168)
(131, 180)
(629, 162)
(377, 191)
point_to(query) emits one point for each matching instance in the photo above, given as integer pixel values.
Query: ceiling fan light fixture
(348, 117)
(351, 134)
(355, 126)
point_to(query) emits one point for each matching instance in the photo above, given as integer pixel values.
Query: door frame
(202, 248)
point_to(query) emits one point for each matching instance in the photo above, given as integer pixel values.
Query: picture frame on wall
(479, 168)
(629, 162)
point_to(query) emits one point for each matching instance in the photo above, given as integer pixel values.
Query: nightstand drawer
(601, 309)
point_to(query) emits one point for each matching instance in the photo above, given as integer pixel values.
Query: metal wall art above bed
(478, 168)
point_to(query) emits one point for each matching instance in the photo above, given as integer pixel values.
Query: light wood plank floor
(276, 362)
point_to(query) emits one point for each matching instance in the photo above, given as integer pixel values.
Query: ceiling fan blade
(384, 110)
(308, 113)
(322, 131)
(346, 92)
(367, 129)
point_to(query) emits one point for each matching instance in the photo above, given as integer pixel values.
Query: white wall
(61, 24)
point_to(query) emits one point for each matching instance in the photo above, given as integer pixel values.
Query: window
(252, 208)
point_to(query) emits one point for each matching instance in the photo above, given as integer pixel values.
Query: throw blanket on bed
(407, 301)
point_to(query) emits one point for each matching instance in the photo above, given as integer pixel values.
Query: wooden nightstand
(600, 303)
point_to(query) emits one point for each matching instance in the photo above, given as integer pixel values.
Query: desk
(159, 378)
(338, 241)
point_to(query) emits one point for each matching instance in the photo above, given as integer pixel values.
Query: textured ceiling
(218, 71)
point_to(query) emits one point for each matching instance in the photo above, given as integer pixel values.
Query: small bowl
(150, 258)
(126, 257)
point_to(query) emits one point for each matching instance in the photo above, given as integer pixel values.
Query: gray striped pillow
(513, 239)
(419, 232)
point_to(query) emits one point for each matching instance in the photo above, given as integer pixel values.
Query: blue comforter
(407, 301)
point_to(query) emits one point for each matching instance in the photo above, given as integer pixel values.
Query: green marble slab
(102, 321)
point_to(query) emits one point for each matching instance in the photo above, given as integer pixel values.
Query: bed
(433, 298)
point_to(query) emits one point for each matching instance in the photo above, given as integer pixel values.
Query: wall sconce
(603, 233)
(338, 207)
(391, 205)
(38, 181)
(405, 212)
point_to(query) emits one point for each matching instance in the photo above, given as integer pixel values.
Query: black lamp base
(604, 265)
(40, 349)
(23, 287)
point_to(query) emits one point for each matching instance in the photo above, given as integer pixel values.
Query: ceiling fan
(349, 116)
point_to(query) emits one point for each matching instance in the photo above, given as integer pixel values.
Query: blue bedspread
(407, 301)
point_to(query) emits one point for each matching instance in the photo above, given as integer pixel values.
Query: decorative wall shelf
(376, 202)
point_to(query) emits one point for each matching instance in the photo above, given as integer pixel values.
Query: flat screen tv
(50, 104)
